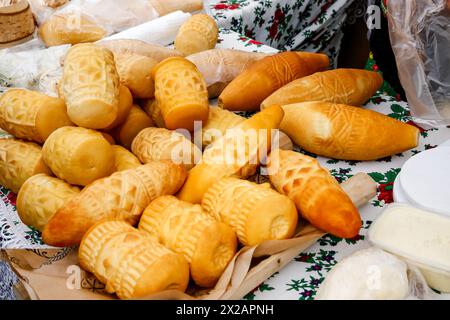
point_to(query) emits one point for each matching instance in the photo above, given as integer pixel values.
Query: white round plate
(425, 180)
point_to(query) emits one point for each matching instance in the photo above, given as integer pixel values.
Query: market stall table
(301, 278)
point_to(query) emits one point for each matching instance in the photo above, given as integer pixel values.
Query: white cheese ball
(370, 274)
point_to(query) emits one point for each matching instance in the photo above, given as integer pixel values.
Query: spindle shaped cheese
(207, 244)
(168, 6)
(136, 121)
(124, 159)
(129, 262)
(19, 161)
(255, 211)
(72, 28)
(238, 153)
(78, 155)
(153, 110)
(345, 86)
(199, 33)
(40, 197)
(220, 66)
(135, 73)
(124, 107)
(181, 93)
(162, 144)
(344, 132)
(219, 121)
(142, 48)
(124, 196)
(265, 76)
(316, 193)
(90, 86)
(31, 115)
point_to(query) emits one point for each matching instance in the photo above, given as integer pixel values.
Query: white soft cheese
(420, 236)
(370, 274)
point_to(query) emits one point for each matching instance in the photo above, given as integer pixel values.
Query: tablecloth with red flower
(301, 278)
(310, 25)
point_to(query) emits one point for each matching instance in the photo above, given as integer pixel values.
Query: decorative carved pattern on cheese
(40, 197)
(123, 196)
(207, 244)
(199, 33)
(345, 86)
(31, 115)
(19, 161)
(130, 262)
(162, 144)
(181, 93)
(236, 202)
(153, 110)
(90, 86)
(219, 121)
(316, 193)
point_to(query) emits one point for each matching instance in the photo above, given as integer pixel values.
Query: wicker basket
(16, 22)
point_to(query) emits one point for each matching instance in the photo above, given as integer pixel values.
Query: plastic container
(420, 237)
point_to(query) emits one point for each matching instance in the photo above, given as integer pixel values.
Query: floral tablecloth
(301, 278)
(310, 25)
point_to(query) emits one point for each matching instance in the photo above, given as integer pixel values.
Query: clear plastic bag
(34, 69)
(111, 15)
(420, 39)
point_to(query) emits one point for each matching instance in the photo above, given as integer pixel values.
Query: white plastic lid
(445, 144)
(399, 194)
(425, 181)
